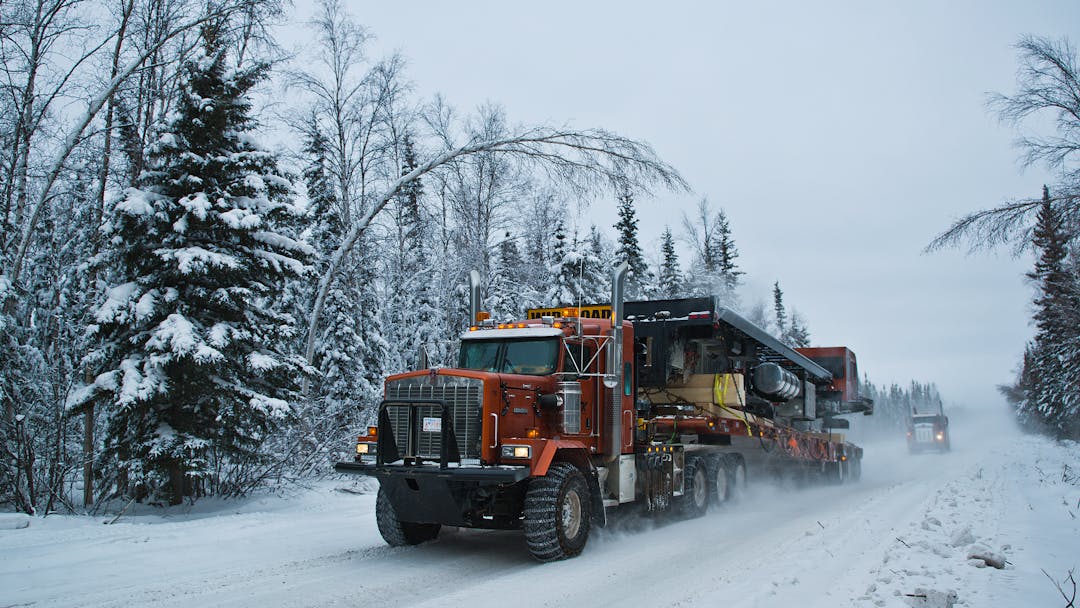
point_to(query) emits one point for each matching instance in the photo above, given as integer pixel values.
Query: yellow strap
(720, 391)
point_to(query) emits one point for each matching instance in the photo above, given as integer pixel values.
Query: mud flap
(599, 514)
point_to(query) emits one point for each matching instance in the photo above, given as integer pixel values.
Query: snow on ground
(903, 536)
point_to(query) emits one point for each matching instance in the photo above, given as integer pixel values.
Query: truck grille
(463, 395)
(924, 433)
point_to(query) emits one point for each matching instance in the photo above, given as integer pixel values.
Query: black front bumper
(481, 475)
(475, 497)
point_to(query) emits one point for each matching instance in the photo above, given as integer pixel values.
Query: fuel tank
(774, 382)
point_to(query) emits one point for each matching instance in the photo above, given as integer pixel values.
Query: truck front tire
(399, 533)
(557, 513)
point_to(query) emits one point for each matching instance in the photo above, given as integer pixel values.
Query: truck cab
(928, 432)
(842, 394)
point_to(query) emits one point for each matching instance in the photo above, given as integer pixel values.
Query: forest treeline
(188, 312)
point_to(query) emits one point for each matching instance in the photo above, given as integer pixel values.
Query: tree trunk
(176, 483)
(88, 456)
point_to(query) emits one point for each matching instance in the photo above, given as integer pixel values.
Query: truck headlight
(364, 449)
(941, 436)
(516, 451)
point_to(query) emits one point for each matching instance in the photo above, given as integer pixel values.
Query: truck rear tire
(719, 475)
(736, 472)
(399, 533)
(838, 471)
(695, 499)
(557, 514)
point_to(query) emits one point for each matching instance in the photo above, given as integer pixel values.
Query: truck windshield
(532, 357)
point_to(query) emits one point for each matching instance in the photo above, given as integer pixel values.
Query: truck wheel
(720, 486)
(399, 533)
(838, 471)
(557, 513)
(736, 471)
(695, 499)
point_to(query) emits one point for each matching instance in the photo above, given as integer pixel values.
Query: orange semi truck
(549, 423)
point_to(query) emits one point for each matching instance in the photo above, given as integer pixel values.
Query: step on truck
(549, 423)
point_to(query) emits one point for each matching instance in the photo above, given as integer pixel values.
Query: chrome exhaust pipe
(614, 379)
(474, 297)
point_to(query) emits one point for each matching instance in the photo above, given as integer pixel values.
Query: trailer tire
(557, 517)
(736, 472)
(838, 472)
(399, 533)
(695, 499)
(719, 475)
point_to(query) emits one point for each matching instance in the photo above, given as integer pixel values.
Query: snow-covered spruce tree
(629, 250)
(798, 335)
(327, 414)
(412, 319)
(670, 282)
(598, 262)
(505, 295)
(346, 381)
(1052, 399)
(779, 311)
(568, 264)
(192, 357)
(724, 255)
(713, 271)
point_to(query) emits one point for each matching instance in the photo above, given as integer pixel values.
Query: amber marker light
(533, 433)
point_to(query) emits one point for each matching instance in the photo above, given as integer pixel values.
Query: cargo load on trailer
(548, 423)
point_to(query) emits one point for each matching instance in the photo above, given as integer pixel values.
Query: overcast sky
(839, 137)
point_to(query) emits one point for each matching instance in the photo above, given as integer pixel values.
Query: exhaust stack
(614, 378)
(474, 298)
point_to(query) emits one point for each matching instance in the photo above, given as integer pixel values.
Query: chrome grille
(463, 395)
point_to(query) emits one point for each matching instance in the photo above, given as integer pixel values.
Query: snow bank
(985, 537)
(907, 535)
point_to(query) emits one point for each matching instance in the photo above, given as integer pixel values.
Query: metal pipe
(474, 298)
(618, 282)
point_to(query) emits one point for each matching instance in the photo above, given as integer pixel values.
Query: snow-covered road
(904, 532)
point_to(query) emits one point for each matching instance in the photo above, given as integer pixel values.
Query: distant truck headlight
(941, 436)
(516, 451)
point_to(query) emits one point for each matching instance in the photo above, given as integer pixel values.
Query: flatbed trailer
(547, 424)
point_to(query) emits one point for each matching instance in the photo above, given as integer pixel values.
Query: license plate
(432, 425)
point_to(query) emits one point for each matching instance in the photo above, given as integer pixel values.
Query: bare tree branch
(75, 135)
(1048, 83)
(585, 161)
